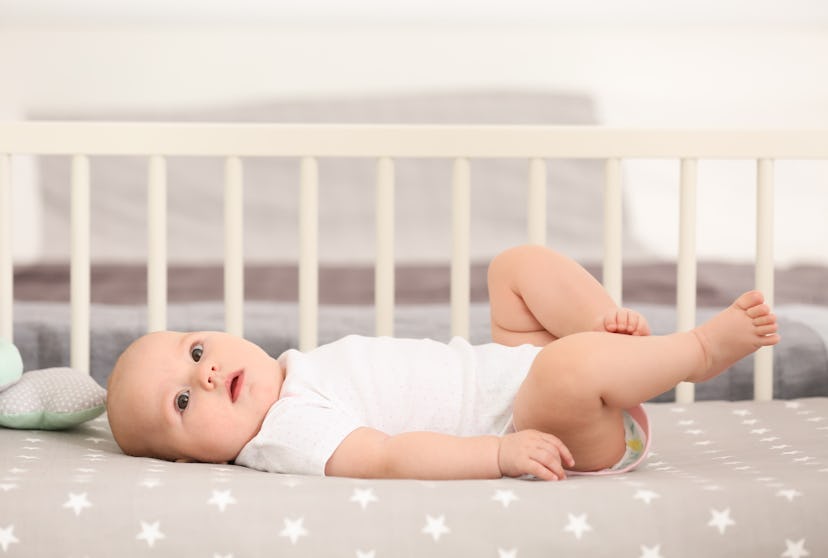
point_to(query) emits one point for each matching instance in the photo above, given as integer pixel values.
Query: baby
(559, 391)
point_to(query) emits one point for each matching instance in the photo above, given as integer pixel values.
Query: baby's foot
(625, 321)
(742, 328)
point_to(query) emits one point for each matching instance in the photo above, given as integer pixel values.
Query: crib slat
(763, 363)
(612, 230)
(233, 247)
(536, 202)
(80, 262)
(157, 245)
(6, 263)
(384, 270)
(460, 259)
(686, 280)
(308, 254)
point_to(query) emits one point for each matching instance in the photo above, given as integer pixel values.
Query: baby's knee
(510, 262)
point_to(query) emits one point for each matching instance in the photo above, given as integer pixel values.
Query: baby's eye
(182, 400)
(196, 352)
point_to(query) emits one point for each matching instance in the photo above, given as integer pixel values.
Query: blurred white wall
(671, 63)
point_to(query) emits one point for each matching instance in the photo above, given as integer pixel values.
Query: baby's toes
(767, 319)
(611, 322)
(632, 322)
(758, 311)
(643, 328)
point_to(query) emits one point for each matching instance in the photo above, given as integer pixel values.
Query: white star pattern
(646, 496)
(789, 494)
(77, 502)
(786, 537)
(363, 496)
(151, 482)
(795, 549)
(436, 527)
(505, 497)
(7, 537)
(151, 532)
(294, 529)
(654, 552)
(721, 520)
(578, 525)
(291, 482)
(221, 499)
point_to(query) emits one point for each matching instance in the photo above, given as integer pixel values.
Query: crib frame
(385, 143)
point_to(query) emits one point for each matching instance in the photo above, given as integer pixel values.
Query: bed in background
(726, 478)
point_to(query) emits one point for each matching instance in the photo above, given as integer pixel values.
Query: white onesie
(389, 384)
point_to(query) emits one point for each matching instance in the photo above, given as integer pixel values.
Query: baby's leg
(538, 295)
(579, 385)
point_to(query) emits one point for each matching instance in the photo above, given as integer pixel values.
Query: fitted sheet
(723, 479)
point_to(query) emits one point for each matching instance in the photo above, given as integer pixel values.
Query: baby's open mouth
(234, 385)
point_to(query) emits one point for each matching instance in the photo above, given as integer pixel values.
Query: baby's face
(199, 396)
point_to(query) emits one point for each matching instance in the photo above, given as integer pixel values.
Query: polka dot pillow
(51, 399)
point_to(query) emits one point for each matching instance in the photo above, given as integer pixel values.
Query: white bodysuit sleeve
(297, 437)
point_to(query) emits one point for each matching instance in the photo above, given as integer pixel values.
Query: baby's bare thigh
(555, 398)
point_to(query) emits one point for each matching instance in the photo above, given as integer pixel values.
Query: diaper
(637, 438)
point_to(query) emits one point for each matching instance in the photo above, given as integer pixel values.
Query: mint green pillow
(51, 399)
(11, 365)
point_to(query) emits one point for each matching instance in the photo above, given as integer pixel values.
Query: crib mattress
(724, 479)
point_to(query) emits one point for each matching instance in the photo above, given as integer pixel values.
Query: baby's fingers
(563, 451)
(541, 471)
(549, 458)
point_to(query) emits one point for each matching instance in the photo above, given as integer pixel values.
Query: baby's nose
(210, 376)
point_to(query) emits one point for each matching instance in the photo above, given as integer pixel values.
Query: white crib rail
(535, 144)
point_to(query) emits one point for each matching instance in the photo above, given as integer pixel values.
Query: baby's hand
(530, 452)
(625, 321)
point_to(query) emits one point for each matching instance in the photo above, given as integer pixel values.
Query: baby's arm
(428, 455)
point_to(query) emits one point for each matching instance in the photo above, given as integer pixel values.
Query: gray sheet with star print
(724, 479)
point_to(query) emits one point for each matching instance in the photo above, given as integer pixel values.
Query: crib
(725, 478)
